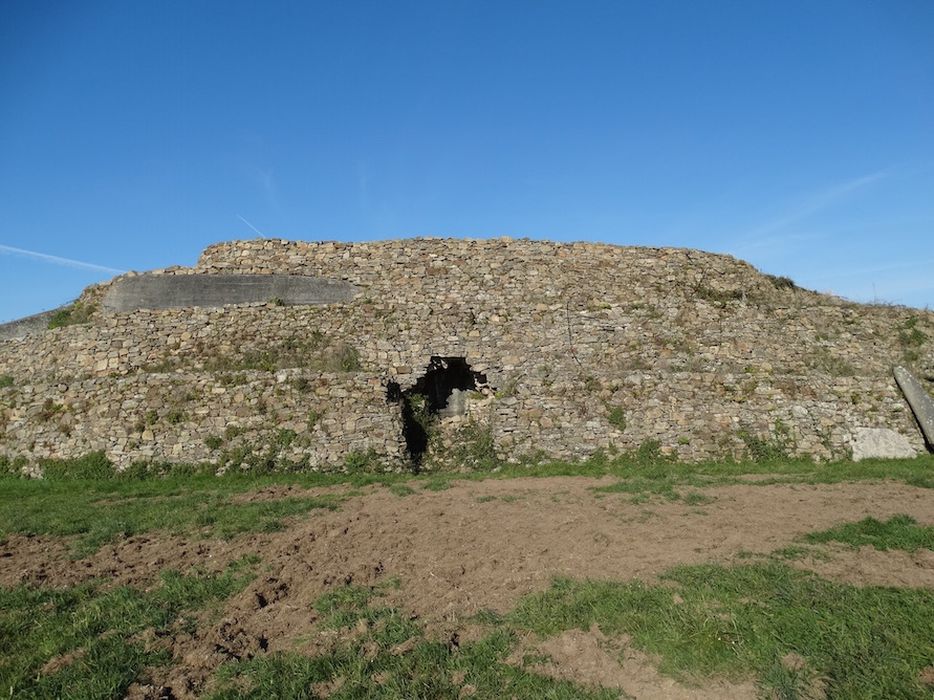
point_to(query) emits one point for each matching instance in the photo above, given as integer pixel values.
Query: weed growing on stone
(471, 448)
(6, 381)
(361, 461)
(911, 338)
(616, 417)
(310, 352)
(213, 442)
(777, 446)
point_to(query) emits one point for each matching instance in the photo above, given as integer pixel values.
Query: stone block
(880, 443)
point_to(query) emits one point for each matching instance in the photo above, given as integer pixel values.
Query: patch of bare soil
(477, 545)
(867, 566)
(133, 561)
(590, 659)
(277, 492)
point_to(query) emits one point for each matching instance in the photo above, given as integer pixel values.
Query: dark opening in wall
(440, 391)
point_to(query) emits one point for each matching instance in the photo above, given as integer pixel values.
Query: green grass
(100, 511)
(738, 622)
(898, 532)
(437, 483)
(86, 498)
(91, 634)
(389, 656)
(401, 489)
(643, 489)
(741, 621)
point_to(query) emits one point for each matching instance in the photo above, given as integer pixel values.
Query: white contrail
(56, 260)
(250, 225)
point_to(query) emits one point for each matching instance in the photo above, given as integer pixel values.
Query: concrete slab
(147, 291)
(920, 401)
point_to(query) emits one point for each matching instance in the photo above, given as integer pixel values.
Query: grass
(743, 621)
(85, 641)
(401, 489)
(100, 511)
(643, 489)
(898, 532)
(740, 622)
(389, 656)
(87, 499)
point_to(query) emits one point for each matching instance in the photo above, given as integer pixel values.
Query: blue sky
(797, 135)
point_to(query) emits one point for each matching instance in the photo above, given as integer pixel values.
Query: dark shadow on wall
(440, 391)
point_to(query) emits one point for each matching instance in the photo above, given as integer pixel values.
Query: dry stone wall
(584, 347)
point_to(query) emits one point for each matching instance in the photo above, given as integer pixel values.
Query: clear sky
(798, 135)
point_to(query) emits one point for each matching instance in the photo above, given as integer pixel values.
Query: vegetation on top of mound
(5, 381)
(73, 314)
(898, 532)
(87, 641)
(911, 338)
(780, 282)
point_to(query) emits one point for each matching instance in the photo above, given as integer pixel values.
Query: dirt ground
(483, 545)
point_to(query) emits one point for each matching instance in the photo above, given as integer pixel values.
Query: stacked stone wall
(586, 347)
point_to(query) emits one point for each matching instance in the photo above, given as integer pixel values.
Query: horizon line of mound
(161, 291)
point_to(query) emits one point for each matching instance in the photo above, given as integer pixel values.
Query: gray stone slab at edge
(880, 443)
(28, 325)
(148, 291)
(920, 401)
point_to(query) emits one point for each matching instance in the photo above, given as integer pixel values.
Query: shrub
(473, 447)
(49, 410)
(649, 451)
(361, 461)
(617, 418)
(5, 381)
(93, 465)
(719, 296)
(176, 416)
(782, 282)
(347, 358)
(911, 339)
(76, 313)
(213, 442)
(778, 445)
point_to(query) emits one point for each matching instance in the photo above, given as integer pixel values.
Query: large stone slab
(147, 291)
(28, 325)
(920, 401)
(880, 443)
